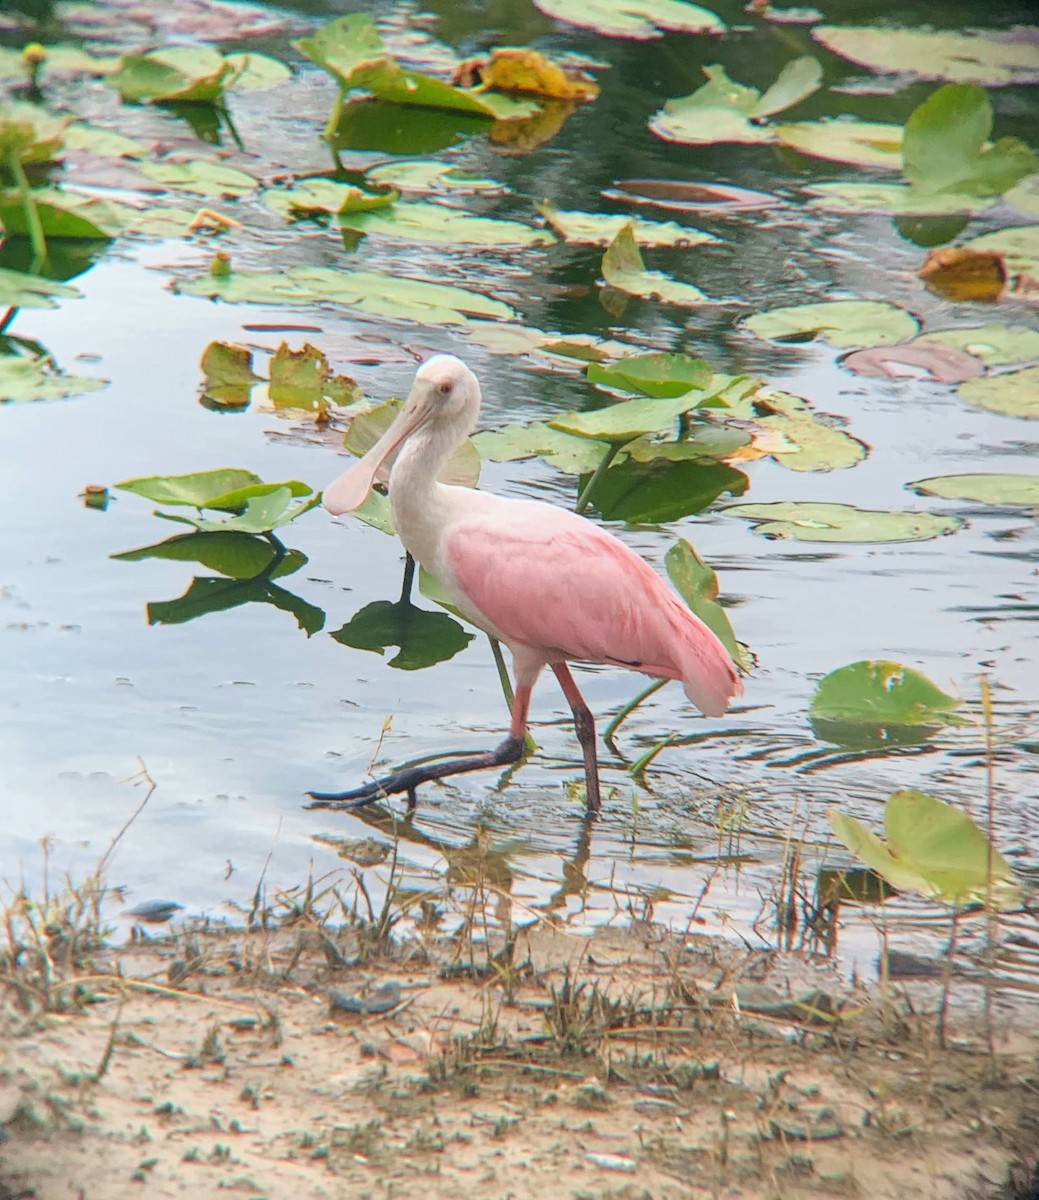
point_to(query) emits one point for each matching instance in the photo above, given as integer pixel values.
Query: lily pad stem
(626, 711)
(32, 216)
(586, 492)
(335, 115)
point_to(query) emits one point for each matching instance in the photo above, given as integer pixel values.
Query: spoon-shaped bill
(351, 489)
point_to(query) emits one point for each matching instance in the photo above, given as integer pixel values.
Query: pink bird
(551, 585)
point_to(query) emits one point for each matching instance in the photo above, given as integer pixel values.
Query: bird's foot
(407, 779)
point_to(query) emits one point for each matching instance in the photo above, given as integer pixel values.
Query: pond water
(236, 714)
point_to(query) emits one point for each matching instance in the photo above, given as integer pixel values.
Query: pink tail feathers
(708, 673)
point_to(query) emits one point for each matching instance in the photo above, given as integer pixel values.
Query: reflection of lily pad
(815, 522)
(839, 323)
(931, 848)
(985, 58)
(984, 489)
(697, 584)
(237, 555)
(623, 269)
(638, 19)
(599, 229)
(649, 493)
(1015, 394)
(209, 594)
(423, 637)
(861, 143)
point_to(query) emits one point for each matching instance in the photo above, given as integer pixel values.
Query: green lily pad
(623, 269)
(81, 135)
(18, 290)
(805, 443)
(209, 594)
(419, 221)
(26, 379)
(1019, 246)
(878, 692)
(566, 452)
(946, 146)
(303, 379)
(1025, 197)
(630, 419)
(816, 522)
(599, 229)
(1015, 394)
(1001, 489)
(261, 512)
(236, 555)
(697, 442)
(636, 19)
(60, 60)
(425, 177)
(662, 376)
(65, 215)
(725, 111)
(996, 344)
(352, 52)
(225, 488)
(381, 295)
(899, 199)
(697, 584)
(934, 849)
(424, 638)
(30, 133)
(228, 375)
(652, 493)
(861, 143)
(980, 57)
(200, 177)
(839, 323)
(323, 196)
(192, 75)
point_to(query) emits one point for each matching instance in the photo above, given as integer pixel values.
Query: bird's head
(444, 398)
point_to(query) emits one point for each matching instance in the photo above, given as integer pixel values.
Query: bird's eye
(444, 388)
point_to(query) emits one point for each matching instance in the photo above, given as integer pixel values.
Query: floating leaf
(995, 344)
(423, 176)
(565, 451)
(323, 196)
(623, 269)
(934, 849)
(980, 57)
(725, 111)
(64, 215)
(1015, 394)
(960, 274)
(192, 74)
(106, 142)
(946, 146)
(861, 143)
(225, 488)
(57, 61)
(424, 638)
(839, 323)
(1004, 489)
(636, 19)
(200, 177)
(878, 692)
(599, 229)
(684, 196)
(1018, 246)
(697, 442)
(1025, 197)
(816, 522)
(261, 511)
(419, 221)
(23, 379)
(237, 555)
(18, 290)
(303, 379)
(519, 69)
(922, 356)
(352, 51)
(896, 198)
(650, 493)
(229, 375)
(697, 584)
(657, 375)
(632, 418)
(30, 133)
(805, 443)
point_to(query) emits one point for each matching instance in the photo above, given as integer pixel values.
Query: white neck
(416, 498)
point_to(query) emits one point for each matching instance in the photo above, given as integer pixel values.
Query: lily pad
(839, 323)
(192, 74)
(303, 379)
(920, 357)
(65, 215)
(26, 379)
(1018, 246)
(1015, 394)
(899, 199)
(804, 443)
(261, 512)
(878, 692)
(225, 488)
(932, 848)
(81, 135)
(984, 57)
(630, 419)
(567, 452)
(200, 177)
(18, 290)
(352, 52)
(636, 19)
(623, 269)
(697, 584)
(1025, 197)
(424, 638)
(725, 111)
(518, 69)
(323, 196)
(996, 344)
(419, 221)
(423, 176)
(662, 376)
(698, 441)
(999, 490)
(860, 143)
(651, 493)
(946, 146)
(228, 375)
(816, 522)
(599, 229)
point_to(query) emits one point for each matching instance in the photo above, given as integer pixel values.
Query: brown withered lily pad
(938, 362)
(518, 69)
(958, 273)
(688, 197)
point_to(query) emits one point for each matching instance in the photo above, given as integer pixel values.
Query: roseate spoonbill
(551, 585)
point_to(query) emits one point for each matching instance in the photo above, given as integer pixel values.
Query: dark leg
(408, 779)
(584, 723)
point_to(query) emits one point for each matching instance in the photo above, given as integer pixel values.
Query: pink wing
(565, 588)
